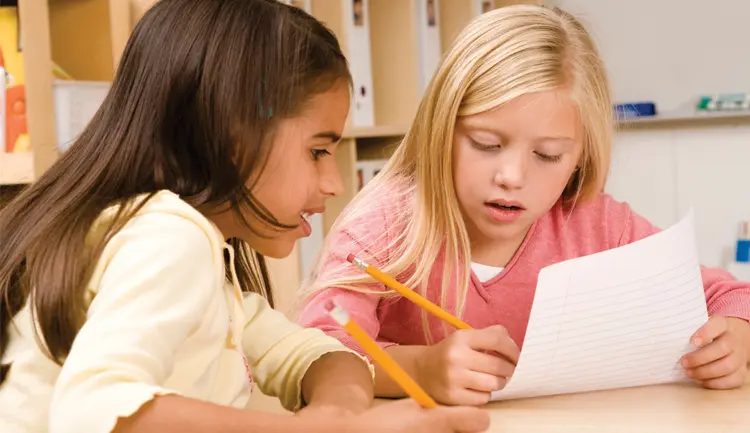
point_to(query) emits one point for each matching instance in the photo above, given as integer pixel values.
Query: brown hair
(192, 109)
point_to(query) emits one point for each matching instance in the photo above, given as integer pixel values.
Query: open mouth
(505, 207)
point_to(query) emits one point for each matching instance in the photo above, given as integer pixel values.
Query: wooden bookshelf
(35, 32)
(376, 131)
(82, 50)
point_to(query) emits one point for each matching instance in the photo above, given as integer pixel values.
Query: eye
(482, 146)
(317, 153)
(548, 158)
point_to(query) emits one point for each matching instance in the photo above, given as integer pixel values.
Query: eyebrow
(555, 138)
(334, 137)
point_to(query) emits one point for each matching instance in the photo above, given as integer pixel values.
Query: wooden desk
(683, 408)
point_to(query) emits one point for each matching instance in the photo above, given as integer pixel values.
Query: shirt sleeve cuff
(732, 305)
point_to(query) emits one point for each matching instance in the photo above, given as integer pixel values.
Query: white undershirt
(484, 272)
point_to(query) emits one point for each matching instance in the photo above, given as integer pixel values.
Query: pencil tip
(350, 258)
(329, 305)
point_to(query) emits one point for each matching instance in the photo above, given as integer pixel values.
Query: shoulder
(164, 233)
(603, 207)
(165, 211)
(597, 224)
(375, 217)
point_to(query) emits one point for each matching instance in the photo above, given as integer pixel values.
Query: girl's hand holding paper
(722, 353)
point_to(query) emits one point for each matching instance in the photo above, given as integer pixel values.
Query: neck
(223, 218)
(495, 252)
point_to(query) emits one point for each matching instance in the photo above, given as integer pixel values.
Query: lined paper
(616, 319)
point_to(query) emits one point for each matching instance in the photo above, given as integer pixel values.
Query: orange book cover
(11, 59)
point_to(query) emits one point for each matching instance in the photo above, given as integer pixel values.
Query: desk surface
(683, 408)
(679, 408)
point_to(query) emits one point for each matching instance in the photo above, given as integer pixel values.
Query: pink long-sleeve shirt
(592, 227)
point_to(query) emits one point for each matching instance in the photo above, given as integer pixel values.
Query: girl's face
(511, 164)
(300, 174)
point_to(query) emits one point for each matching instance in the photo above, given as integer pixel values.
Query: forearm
(407, 357)
(176, 414)
(339, 379)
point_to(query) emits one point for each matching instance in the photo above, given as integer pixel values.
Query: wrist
(420, 367)
(322, 422)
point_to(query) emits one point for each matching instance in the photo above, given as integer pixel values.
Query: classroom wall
(671, 51)
(662, 173)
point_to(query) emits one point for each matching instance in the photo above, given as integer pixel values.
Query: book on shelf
(14, 126)
(367, 170)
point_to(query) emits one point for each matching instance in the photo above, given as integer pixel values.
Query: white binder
(76, 102)
(357, 30)
(482, 6)
(428, 40)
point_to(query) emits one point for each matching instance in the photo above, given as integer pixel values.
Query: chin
(277, 250)
(506, 232)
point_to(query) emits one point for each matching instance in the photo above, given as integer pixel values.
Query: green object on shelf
(703, 103)
(724, 102)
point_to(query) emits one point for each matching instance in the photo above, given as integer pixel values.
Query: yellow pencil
(408, 293)
(410, 387)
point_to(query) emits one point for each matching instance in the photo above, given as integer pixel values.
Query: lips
(307, 213)
(505, 205)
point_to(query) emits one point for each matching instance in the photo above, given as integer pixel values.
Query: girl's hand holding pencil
(464, 368)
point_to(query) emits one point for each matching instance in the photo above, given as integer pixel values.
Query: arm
(338, 381)
(176, 414)
(292, 363)
(160, 277)
(362, 308)
(408, 357)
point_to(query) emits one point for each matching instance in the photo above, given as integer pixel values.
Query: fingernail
(697, 342)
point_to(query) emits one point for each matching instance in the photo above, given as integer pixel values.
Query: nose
(511, 170)
(330, 181)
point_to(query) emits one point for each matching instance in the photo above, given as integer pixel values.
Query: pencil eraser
(350, 258)
(329, 305)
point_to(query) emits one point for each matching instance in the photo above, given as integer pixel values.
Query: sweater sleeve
(362, 305)
(362, 308)
(725, 295)
(158, 276)
(368, 238)
(280, 352)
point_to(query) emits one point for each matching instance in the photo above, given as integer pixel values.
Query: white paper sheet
(616, 319)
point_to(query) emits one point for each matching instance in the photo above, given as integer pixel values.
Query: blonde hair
(499, 56)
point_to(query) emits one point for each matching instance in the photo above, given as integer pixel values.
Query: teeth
(504, 207)
(305, 215)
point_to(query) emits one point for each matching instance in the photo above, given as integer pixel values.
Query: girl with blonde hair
(501, 174)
